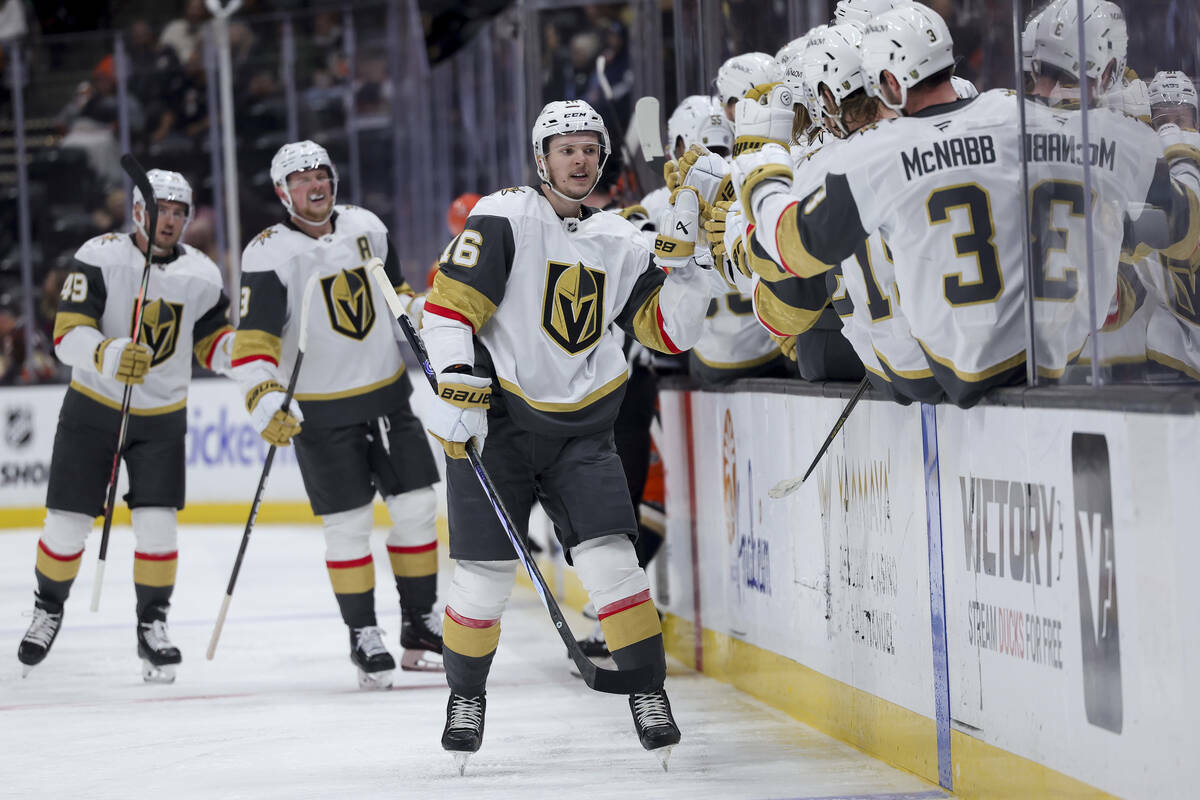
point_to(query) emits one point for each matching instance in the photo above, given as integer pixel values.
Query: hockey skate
(38, 639)
(464, 727)
(159, 656)
(420, 636)
(375, 664)
(656, 728)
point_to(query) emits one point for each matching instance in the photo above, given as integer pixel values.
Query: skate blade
(374, 681)
(26, 669)
(663, 753)
(421, 661)
(163, 673)
(460, 761)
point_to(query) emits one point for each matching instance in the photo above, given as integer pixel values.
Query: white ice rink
(278, 714)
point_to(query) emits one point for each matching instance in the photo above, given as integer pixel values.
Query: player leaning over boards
(359, 433)
(520, 312)
(186, 313)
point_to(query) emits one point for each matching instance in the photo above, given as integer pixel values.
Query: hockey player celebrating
(517, 329)
(185, 314)
(359, 435)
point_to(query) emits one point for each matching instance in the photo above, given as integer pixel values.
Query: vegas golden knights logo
(573, 307)
(348, 301)
(160, 328)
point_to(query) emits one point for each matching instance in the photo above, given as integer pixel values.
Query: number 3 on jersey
(976, 243)
(463, 250)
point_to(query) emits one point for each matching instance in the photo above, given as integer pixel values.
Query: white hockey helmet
(834, 60)
(740, 75)
(912, 42)
(169, 186)
(714, 129)
(790, 50)
(1029, 35)
(1106, 41)
(1173, 88)
(562, 117)
(793, 77)
(861, 11)
(686, 118)
(297, 157)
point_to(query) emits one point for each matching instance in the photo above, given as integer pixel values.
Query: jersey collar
(175, 253)
(332, 225)
(943, 108)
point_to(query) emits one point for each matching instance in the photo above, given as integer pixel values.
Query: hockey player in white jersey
(359, 435)
(942, 184)
(185, 316)
(518, 330)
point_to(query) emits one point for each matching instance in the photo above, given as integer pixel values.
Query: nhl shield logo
(349, 303)
(160, 329)
(18, 430)
(573, 308)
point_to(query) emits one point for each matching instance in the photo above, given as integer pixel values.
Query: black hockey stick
(150, 209)
(301, 344)
(602, 680)
(789, 485)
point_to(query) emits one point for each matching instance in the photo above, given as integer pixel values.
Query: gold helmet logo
(349, 303)
(160, 328)
(573, 308)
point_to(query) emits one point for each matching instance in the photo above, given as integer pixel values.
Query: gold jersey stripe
(1154, 355)
(352, 579)
(754, 362)
(631, 625)
(114, 404)
(250, 343)
(603, 391)
(1185, 248)
(66, 321)
(154, 571)
(355, 392)
(973, 377)
(795, 255)
(466, 300)
(910, 374)
(783, 317)
(1046, 372)
(470, 642)
(645, 325)
(203, 347)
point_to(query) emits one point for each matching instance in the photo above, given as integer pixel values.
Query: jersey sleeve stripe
(448, 313)
(779, 316)
(205, 348)
(65, 321)
(658, 319)
(252, 345)
(792, 252)
(449, 294)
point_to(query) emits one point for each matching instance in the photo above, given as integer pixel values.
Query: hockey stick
(301, 344)
(646, 115)
(789, 485)
(150, 208)
(602, 680)
(627, 157)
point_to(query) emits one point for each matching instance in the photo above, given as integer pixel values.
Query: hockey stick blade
(646, 117)
(597, 678)
(789, 485)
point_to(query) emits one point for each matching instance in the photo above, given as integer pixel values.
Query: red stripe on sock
(171, 556)
(467, 622)
(357, 562)
(421, 548)
(624, 603)
(56, 556)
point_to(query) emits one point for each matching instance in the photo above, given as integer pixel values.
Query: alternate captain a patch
(348, 301)
(573, 306)
(160, 328)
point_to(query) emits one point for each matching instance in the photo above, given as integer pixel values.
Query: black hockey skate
(37, 640)
(375, 664)
(420, 635)
(654, 724)
(464, 727)
(159, 656)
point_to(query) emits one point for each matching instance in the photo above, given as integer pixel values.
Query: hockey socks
(634, 633)
(469, 647)
(55, 573)
(354, 587)
(153, 580)
(415, 569)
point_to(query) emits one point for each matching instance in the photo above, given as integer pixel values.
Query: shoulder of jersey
(270, 248)
(106, 249)
(506, 201)
(197, 262)
(359, 218)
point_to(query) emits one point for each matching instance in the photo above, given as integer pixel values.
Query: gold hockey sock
(154, 579)
(354, 587)
(469, 645)
(55, 573)
(415, 569)
(634, 632)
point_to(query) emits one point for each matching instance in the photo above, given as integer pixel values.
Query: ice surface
(278, 714)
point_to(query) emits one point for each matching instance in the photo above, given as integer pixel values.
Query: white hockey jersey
(352, 363)
(186, 315)
(536, 295)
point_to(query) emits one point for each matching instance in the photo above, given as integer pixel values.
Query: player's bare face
(573, 161)
(311, 191)
(172, 217)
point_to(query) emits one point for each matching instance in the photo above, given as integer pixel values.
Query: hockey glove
(274, 423)
(675, 247)
(769, 170)
(763, 121)
(459, 414)
(672, 176)
(703, 170)
(714, 228)
(123, 359)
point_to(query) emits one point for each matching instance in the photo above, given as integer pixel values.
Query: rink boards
(999, 600)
